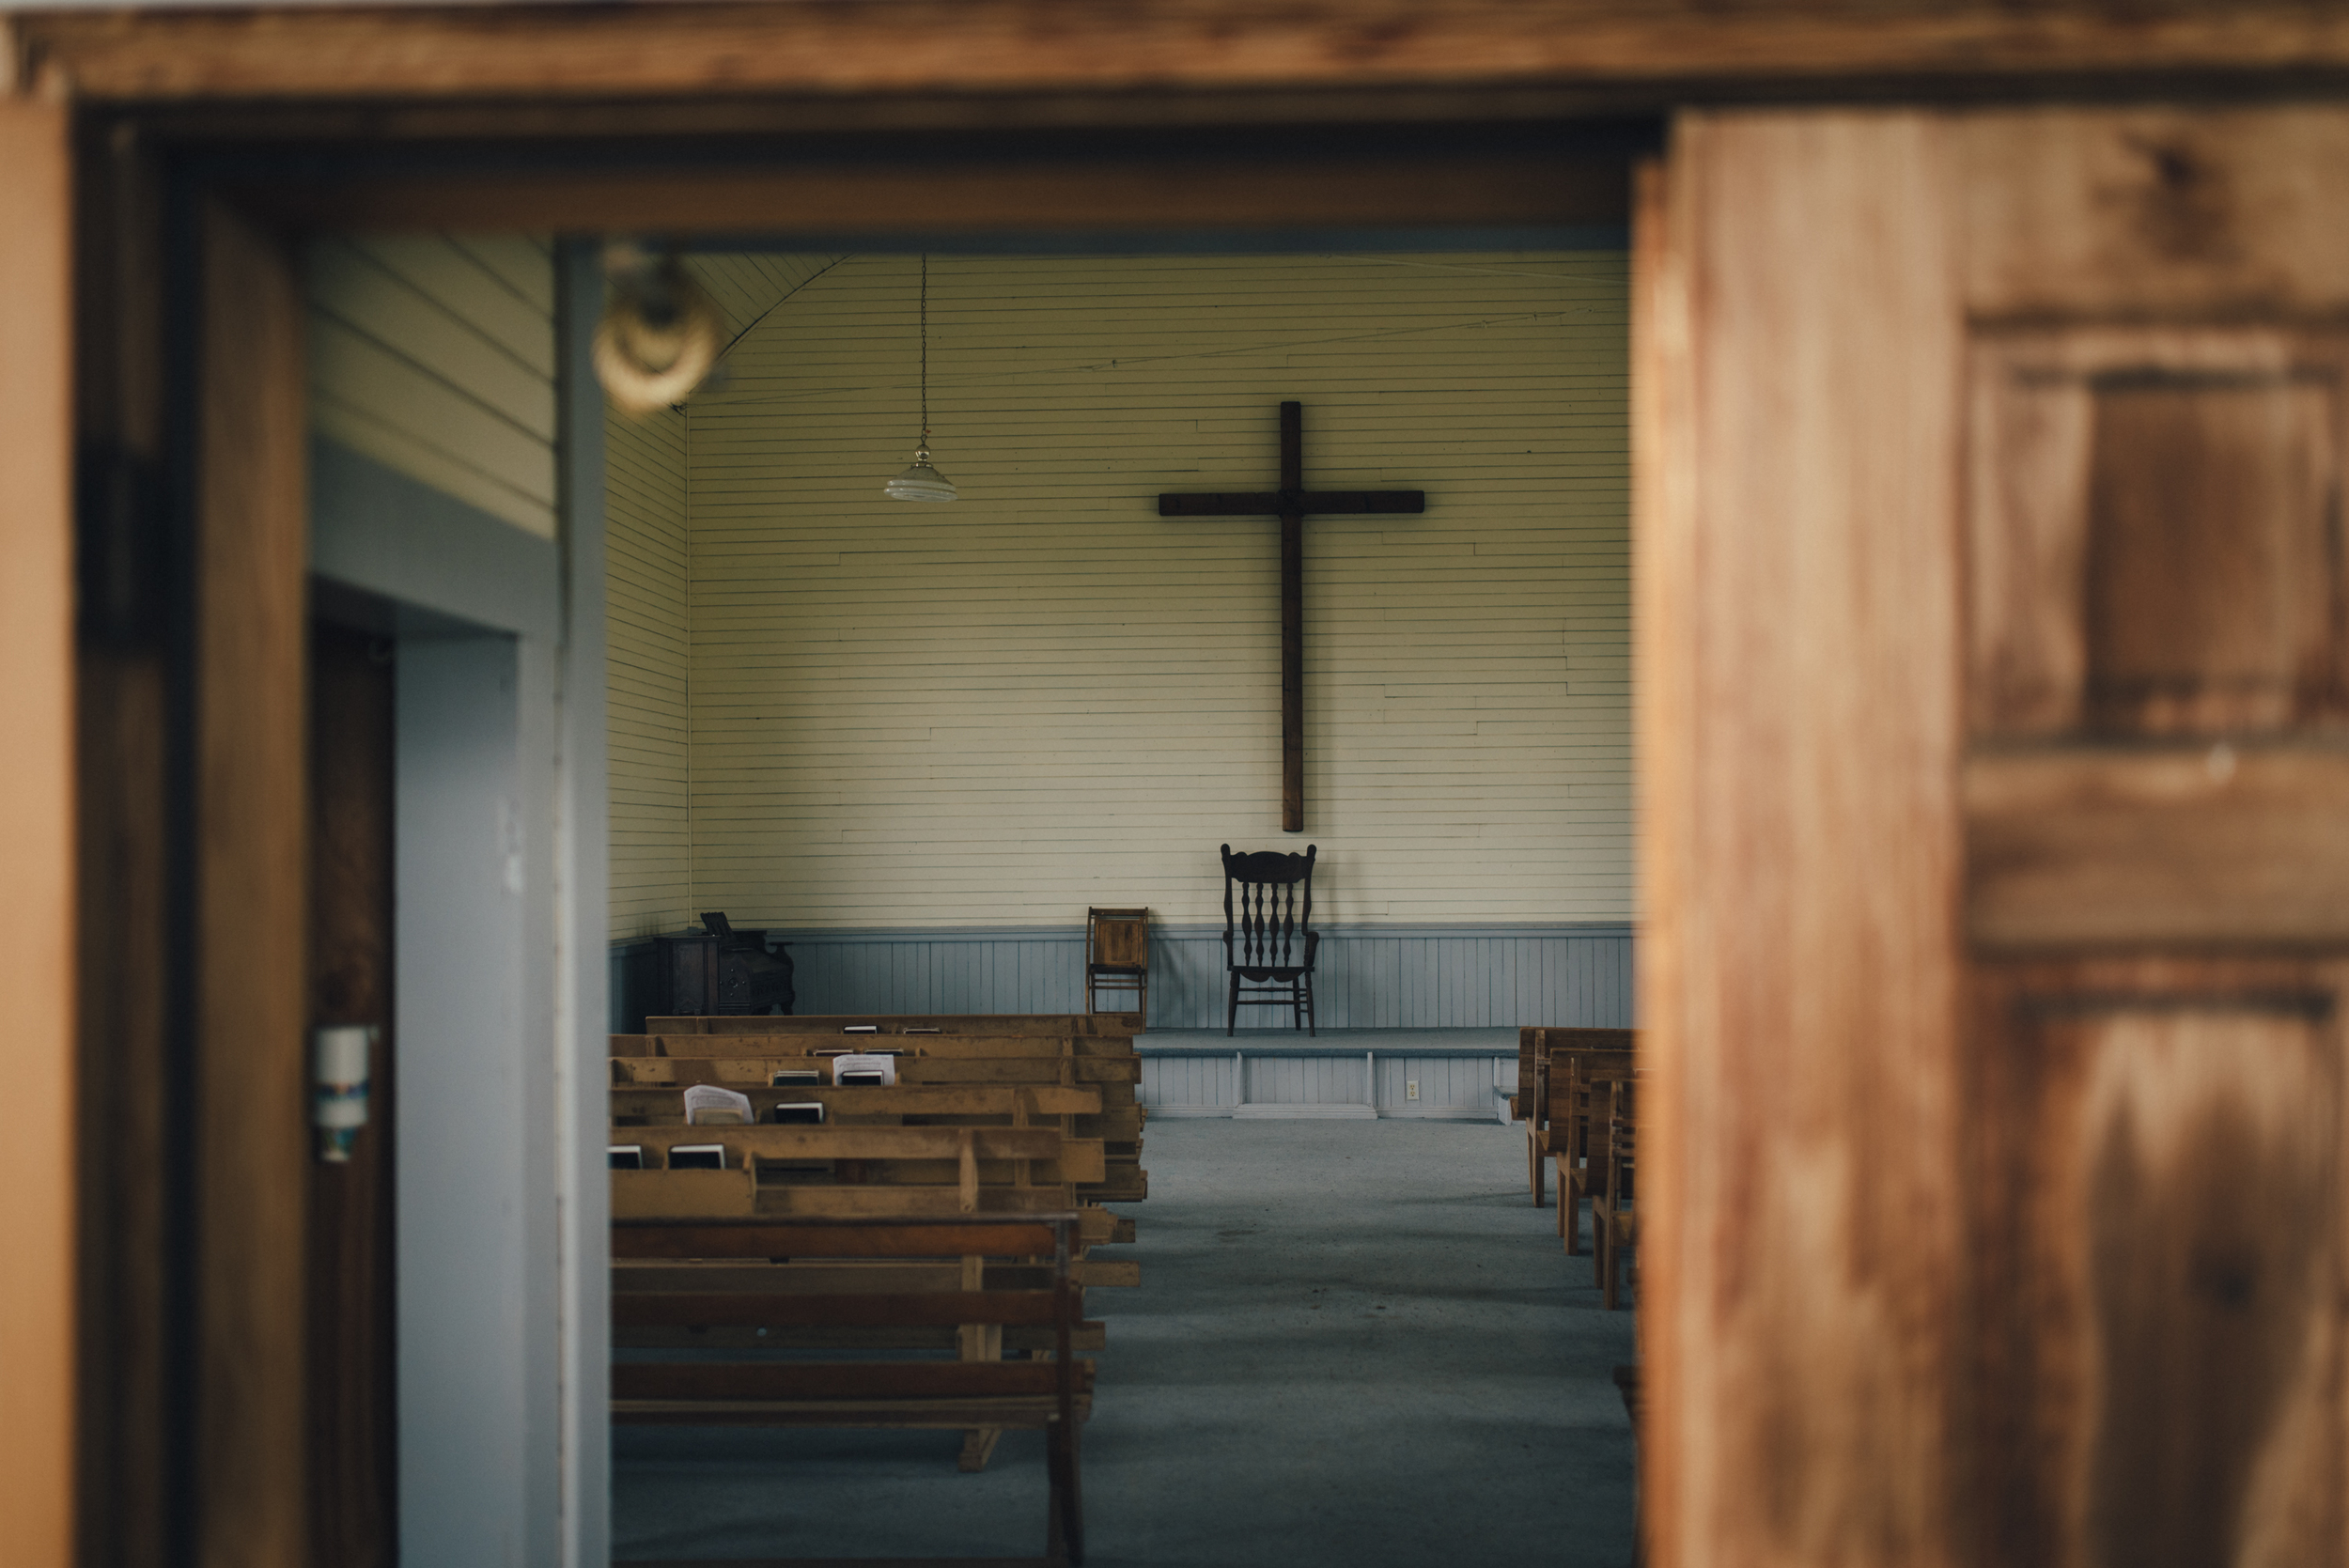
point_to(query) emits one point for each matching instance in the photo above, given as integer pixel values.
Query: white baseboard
(1302, 1112)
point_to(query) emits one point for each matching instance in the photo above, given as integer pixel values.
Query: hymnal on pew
(698, 1157)
(782, 1077)
(708, 1104)
(874, 1069)
(627, 1156)
(803, 1112)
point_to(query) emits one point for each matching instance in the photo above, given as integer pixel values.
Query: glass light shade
(920, 483)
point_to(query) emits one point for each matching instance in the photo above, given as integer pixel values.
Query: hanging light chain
(925, 350)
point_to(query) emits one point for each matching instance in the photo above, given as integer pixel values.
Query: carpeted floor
(1355, 1344)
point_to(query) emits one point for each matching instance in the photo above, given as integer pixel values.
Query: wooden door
(354, 1456)
(1995, 688)
(37, 1219)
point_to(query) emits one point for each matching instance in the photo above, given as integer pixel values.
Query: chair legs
(1299, 1004)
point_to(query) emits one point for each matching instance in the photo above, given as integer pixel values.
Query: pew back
(1534, 1043)
(858, 1298)
(1126, 1024)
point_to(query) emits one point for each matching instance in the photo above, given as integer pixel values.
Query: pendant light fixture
(922, 482)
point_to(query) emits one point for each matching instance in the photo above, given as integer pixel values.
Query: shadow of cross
(1292, 504)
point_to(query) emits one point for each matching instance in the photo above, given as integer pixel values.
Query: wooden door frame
(38, 1289)
(231, 417)
(236, 105)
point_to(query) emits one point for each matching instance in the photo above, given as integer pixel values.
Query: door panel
(2157, 1260)
(2000, 535)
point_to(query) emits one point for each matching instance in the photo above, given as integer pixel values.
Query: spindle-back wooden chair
(1269, 941)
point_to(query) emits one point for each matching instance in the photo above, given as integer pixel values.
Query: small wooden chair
(1613, 1225)
(1117, 956)
(1268, 943)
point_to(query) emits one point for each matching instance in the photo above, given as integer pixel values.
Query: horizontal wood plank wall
(434, 355)
(1370, 977)
(1045, 696)
(645, 504)
(644, 500)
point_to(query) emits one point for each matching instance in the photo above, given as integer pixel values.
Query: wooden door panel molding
(252, 901)
(2204, 845)
(2171, 214)
(38, 1294)
(2159, 1262)
(2154, 531)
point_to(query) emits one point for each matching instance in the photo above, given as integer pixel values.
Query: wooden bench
(1105, 1024)
(1106, 1063)
(851, 1287)
(858, 1171)
(1579, 1136)
(1613, 1222)
(1539, 1102)
(1536, 1042)
(903, 1171)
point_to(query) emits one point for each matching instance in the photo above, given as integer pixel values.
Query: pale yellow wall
(644, 501)
(434, 355)
(1044, 695)
(644, 713)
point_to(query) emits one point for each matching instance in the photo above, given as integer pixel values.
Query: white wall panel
(1413, 980)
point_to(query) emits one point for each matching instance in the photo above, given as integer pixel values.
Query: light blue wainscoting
(1401, 1073)
(1368, 976)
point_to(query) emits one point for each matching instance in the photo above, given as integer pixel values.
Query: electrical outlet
(1411, 1090)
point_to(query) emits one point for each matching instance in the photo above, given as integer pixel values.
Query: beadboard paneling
(434, 355)
(649, 614)
(645, 619)
(1376, 977)
(1045, 696)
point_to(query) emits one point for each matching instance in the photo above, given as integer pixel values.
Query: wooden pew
(1613, 1219)
(742, 1062)
(1538, 1100)
(901, 1171)
(1579, 1135)
(858, 1172)
(765, 1277)
(1104, 1024)
(973, 1395)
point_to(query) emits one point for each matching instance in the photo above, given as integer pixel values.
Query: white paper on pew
(704, 1097)
(884, 1065)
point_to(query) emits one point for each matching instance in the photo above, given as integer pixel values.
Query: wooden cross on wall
(1291, 504)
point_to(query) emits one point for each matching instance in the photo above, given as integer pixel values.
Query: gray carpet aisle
(1355, 1344)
